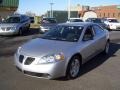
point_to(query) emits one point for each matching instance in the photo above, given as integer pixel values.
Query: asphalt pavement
(100, 73)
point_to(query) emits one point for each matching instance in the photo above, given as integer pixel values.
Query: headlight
(18, 50)
(51, 58)
(41, 27)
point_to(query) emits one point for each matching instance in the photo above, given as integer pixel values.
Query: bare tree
(29, 13)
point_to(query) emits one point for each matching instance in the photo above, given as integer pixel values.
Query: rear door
(100, 36)
(88, 44)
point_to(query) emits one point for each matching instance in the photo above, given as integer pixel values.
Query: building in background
(8, 7)
(111, 11)
(77, 7)
(86, 13)
(62, 16)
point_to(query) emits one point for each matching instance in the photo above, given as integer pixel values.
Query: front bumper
(114, 27)
(48, 71)
(8, 32)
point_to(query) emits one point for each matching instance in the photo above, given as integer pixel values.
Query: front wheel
(20, 32)
(73, 67)
(28, 27)
(107, 46)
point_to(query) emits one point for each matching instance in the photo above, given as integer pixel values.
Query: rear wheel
(73, 67)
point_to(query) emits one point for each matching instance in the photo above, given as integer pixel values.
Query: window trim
(99, 27)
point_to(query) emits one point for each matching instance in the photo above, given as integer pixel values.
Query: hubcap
(75, 67)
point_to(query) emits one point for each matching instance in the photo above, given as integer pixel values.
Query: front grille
(3, 29)
(8, 28)
(21, 57)
(45, 75)
(29, 60)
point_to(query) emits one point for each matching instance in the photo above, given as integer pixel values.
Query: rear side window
(97, 29)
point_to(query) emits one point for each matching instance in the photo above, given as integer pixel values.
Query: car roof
(77, 24)
(76, 18)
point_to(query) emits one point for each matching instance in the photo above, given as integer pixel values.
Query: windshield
(64, 33)
(48, 20)
(96, 20)
(113, 20)
(12, 20)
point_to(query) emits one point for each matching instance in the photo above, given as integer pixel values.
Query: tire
(41, 32)
(20, 32)
(73, 68)
(28, 28)
(106, 50)
(109, 30)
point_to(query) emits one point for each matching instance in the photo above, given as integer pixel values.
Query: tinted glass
(113, 20)
(12, 20)
(48, 20)
(96, 20)
(97, 29)
(75, 20)
(64, 33)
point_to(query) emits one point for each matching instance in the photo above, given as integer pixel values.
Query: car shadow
(32, 31)
(8, 49)
(96, 61)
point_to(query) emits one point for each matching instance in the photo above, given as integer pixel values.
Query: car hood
(8, 25)
(41, 47)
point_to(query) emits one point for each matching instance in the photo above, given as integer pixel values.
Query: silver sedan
(62, 50)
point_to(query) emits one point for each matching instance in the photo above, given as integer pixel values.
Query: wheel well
(20, 28)
(77, 54)
(80, 56)
(108, 40)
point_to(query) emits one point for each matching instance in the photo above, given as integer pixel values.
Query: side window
(89, 34)
(97, 29)
(24, 18)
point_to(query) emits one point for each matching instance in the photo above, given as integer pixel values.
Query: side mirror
(87, 37)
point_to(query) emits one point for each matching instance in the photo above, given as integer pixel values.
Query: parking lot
(100, 73)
